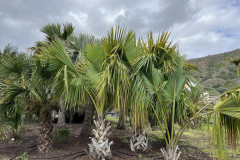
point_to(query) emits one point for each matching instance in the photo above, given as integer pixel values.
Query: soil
(75, 148)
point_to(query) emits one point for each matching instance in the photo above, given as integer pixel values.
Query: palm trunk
(100, 146)
(121, 121)
(61, 115)
(139, 142)
(88, 119)
(45, 131)
(170, 153)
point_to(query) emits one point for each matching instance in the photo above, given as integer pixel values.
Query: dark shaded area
(76, 117)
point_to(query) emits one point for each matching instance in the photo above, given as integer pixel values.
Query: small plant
(19, 142)
(140, 156)
(125, 140)
(61, 134)
(23, 156)
(11, 121)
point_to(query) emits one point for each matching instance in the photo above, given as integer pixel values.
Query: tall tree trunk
(121, 121)
(88, 119)
(45, 131)
(61, 115)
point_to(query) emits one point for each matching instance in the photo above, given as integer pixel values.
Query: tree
(29, 79)
(224, 117)
(77, 90)
(108, 68)
(10, 50)
(117, 72)
(11, 119)
(75, 47)
(102, 73)
(156, 61)
(76, 44)
(120, 53)
(158, 69)
(54, 32)
(10, 113)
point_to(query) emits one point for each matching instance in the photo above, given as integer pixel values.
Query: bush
(61, 134)
(11, 125)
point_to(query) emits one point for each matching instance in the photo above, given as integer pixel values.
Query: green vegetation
(147, 81)
(61, 134)
(216, 73)
(22, 157)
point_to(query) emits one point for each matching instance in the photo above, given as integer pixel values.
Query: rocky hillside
(216, 74)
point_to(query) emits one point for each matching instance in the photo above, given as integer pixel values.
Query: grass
(111, 118)
(199, 138)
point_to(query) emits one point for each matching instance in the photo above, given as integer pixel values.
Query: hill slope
(216, 74)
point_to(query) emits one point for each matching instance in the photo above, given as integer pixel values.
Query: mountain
(216, 74)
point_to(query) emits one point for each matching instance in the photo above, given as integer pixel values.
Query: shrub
(61, 134)
(11, 125)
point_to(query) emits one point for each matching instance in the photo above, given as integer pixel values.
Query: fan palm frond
(227, 118)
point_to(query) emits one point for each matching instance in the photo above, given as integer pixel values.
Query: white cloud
(80, 17)
(111, 17)
(201, 27)
(211, 30)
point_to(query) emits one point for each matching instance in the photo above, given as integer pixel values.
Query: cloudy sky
(201, 27)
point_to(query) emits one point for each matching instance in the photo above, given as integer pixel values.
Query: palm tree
(224, 116)
(11, 118)
(10, 50)
(103, 72)
(77, 90)
(76, 45)
(116, 69)
(74, 48)
(155, 59)
(111, 75)
(120, 53)
(29, 79)
(157, 71)
(53, 32)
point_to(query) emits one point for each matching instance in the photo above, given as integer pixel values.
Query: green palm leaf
(227, 118)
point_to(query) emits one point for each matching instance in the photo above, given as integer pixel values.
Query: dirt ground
(75, 147)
